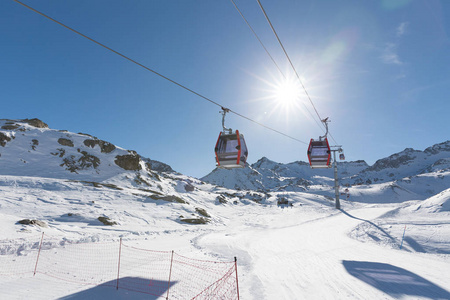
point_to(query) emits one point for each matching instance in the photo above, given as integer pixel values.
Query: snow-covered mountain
(30, 148)
(407, 163)
(268, 175)
(410, 170)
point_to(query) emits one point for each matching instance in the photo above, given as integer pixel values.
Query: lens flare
(287, 92)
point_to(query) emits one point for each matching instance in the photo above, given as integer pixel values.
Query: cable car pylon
(231, 150)
(319, 156)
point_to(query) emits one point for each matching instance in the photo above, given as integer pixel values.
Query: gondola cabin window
(319, 151)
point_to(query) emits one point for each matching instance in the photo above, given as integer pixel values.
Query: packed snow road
(301, 253)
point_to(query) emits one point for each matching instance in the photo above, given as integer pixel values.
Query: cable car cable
(118, 53)
(155, 72)
(287, 56)
(289, 59)
(257, 37)
(268, 53)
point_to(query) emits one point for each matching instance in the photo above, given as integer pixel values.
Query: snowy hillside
(30, 148)
(390, 240)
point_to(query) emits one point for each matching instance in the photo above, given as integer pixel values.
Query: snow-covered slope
(414, 220)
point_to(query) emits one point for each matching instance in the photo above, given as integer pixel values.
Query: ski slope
(308, 250)
(313, 256)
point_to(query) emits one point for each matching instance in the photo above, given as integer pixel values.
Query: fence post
(39, 252)
(170, 275)
(118, 267)
(403, 237)
(237, 283)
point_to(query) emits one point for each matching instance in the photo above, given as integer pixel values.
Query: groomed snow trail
(308, 256)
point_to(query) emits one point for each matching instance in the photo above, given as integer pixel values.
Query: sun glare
(287, 92)
(283, 98)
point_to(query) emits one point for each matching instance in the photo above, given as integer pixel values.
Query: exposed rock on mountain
(4, 139)
(128, 162)
(35, 122)
(84, 162)
(105, 147)
(157, 165)
(15, 124)
(65, 142)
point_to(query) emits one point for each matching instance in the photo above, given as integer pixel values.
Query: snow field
(309, 250)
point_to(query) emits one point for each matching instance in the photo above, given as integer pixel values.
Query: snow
(309, 250)
(390, 240)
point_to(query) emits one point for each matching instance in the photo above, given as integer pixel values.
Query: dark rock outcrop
(105, 147)
(35, 122)
(86, 161)
(32, 222)
(129, 162)
(65, 142)
(4, 139)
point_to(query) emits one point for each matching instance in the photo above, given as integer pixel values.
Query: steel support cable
(257, 37)
(268, 53)
(290, 62)
(154, 72)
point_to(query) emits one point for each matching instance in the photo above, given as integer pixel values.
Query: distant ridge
(268, 175)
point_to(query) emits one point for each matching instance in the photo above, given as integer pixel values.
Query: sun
(283, 98)
(287, 92)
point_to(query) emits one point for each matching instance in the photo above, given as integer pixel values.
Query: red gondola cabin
(231, 151)
(319, 154)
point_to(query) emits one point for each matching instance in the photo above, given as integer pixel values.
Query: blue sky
(380, 70)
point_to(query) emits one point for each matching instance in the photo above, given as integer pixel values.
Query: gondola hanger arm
(325, 122)
(224, 112)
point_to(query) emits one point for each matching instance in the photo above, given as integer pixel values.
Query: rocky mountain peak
(264, 162)
(435, 149)
(15, 124)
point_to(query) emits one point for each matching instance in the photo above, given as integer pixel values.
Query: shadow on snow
(129, 288)
(394, 281)
(374, 225)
